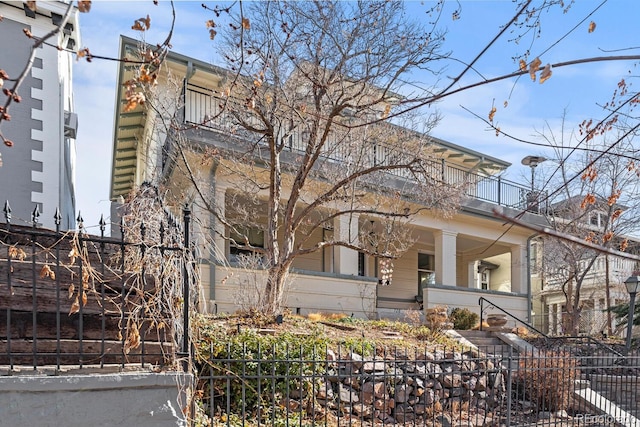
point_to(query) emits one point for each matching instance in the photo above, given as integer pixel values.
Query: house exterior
(453, 261)
(41, 164)
(549, 275)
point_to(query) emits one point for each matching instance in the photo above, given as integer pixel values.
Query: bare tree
(310, 92)
(595, 198)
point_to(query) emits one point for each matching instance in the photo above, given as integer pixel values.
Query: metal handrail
(491, 304)
(591, 340)
(547, 337)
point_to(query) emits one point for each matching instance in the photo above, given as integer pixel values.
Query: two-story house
(571, 275)
(451, 260)
(39, 170)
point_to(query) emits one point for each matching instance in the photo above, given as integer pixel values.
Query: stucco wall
(122, 399)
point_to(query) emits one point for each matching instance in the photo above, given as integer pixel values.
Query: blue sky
(531, 107)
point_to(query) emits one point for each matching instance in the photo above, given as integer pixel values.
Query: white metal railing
(205, 110)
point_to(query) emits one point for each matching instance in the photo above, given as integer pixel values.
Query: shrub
(463, 318)
(546, 379)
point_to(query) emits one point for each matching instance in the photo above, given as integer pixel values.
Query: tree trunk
(274, 291)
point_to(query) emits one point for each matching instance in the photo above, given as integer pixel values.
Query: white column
(445, 257)
(519, 269)
(220, 242)
(346, 230)
(472, 268)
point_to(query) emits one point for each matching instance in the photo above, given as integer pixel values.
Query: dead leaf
(534, 67)
(212, 34)
(523, 65)
(492, 114)
(387, 110)
(624, 244)
(84, 298)
(142, 24)
(46, 271)
(84, 6)
(75, 307)
(71, 290)
(546, 73)
(592, 27)
(210, 23)
(246, 24)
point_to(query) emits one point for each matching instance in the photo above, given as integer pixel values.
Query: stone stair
(490, 343)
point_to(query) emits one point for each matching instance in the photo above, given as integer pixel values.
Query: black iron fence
(279, 385)
(69, 298)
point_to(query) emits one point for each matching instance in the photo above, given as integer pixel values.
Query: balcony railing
(205, 110)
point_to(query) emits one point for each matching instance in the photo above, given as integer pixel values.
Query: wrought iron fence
(245, 384)
(70, 298)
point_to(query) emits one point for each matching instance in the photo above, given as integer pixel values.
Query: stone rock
(347, 394)
(369, 367)
(354, 359)
(375, 389)
(451, 380)
(470, 384)
(325, 391)
(352, 382)
(331, 356)
(562, 414)
(402, 392)
(481, 383)
(291, 405)
(428, 398)
(384, 404)
(362, 410)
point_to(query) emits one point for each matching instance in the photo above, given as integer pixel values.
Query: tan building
(451, 261)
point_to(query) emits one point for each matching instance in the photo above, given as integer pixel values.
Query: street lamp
(533, 196)
(633, 286)
(532, 162)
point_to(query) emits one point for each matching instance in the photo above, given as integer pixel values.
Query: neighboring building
(453, 262)
(38, 171)
(549, 274)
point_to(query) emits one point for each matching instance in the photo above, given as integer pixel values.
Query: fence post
(186, 212)
(509, 385)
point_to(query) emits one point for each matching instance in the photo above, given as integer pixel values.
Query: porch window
(242, 237)
(426, 271)
(485, 279)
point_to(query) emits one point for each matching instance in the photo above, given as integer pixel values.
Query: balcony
(206, 111)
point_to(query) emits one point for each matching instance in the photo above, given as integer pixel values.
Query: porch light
(633, 286)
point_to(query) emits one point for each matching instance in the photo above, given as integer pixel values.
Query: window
(244, 236)
(361, 264)
(426, 271)
(485, 278)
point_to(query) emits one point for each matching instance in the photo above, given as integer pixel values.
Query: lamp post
(533, 162)
(533, 195)
(633, 286)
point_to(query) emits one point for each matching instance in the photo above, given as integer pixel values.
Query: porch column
(346, 230)
(219, 229)
(445, 241)
(519, 280)
(472, 270)
(559, 319)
